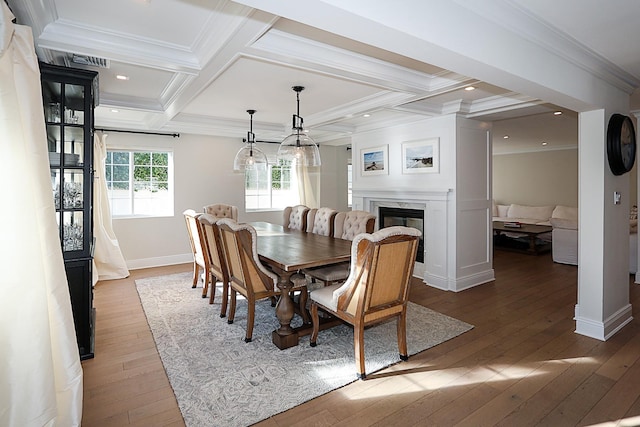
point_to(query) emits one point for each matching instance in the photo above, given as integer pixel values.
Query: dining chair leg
(303, 298)
(232, 308)
(205, 284)
(214, 281)
(251, 314)
(358, 342)
(195, 274)
(315, 320)
(402, 336)
(225, 298)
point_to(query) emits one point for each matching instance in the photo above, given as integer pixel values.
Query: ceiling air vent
(92, 61)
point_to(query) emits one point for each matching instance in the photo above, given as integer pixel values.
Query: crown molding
(295, 50)
(93, 41)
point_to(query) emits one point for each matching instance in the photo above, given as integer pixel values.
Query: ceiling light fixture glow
(122, 77)
(557, 113)
(469, 88)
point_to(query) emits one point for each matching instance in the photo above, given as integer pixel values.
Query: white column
(603, 250)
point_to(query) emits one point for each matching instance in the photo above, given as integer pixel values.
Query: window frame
(169, 209)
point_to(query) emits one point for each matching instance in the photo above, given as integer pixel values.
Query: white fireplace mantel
(404, 194)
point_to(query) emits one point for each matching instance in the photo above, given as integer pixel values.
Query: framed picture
(421, 156)
(374, 161)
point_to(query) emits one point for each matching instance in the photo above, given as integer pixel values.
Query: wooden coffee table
(532, 231)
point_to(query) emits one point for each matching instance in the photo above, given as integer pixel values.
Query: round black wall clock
(621, 144)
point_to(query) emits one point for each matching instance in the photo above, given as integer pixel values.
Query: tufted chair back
(349, 224)
(295, 217)
(220, 210)
(321, 221)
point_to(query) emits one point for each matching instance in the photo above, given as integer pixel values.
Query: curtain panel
(40, 370)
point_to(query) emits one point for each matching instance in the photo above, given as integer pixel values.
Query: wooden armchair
(217, 261)
(377, 288)
(200, 257)
(321, 221)
(247, 275)
(347, 225)
(221, 210)
(295, 217)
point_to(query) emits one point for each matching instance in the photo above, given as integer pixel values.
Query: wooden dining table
(287, 252)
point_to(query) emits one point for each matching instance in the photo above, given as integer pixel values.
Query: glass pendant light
(299, 148)
(250, 158)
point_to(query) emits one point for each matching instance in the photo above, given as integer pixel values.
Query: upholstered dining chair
(217, 262)
(347, 225)
(377, 288)
(295, 217)
(221, 210)
(200, 256)
(321, 221)
(247, 275)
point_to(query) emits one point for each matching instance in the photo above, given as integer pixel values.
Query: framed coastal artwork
(374, 160)
(421, 156)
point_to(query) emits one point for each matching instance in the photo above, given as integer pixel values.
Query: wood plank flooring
(521, 365)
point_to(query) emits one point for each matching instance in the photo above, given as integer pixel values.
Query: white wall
(203, 175)
(542, 178)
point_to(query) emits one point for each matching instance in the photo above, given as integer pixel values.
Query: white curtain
(40, 370)
(308, 185)
(107, 257)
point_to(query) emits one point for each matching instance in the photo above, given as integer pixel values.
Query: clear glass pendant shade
(299, 148)
(250, 157)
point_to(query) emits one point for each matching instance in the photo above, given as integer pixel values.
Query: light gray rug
(219, 380)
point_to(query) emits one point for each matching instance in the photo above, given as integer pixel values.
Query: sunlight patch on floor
(418, 379)
(624, 422)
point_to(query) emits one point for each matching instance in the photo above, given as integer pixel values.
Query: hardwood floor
(522, 364)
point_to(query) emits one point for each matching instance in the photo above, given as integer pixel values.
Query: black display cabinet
(69, 97)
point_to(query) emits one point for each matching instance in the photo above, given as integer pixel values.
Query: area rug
(219, 380)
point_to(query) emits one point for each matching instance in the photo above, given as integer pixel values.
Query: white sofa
(564, 219)
(564, 236)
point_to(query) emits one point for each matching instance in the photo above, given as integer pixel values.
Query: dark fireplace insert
(389, 217)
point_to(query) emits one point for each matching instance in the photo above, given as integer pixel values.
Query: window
(274, 188)
(139, 183)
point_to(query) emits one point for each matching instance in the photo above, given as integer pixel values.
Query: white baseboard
(136, 264)
(460, 283)
(603, 330)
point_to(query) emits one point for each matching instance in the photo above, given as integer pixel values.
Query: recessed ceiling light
(122, 77)
(469, 88)
(544, 143)
(557, 113)
(366, 115)
(506, 137)
(113, 110)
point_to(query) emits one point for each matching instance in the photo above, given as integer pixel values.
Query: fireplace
(389, 217)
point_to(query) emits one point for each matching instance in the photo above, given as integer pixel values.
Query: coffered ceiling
(196, 66)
